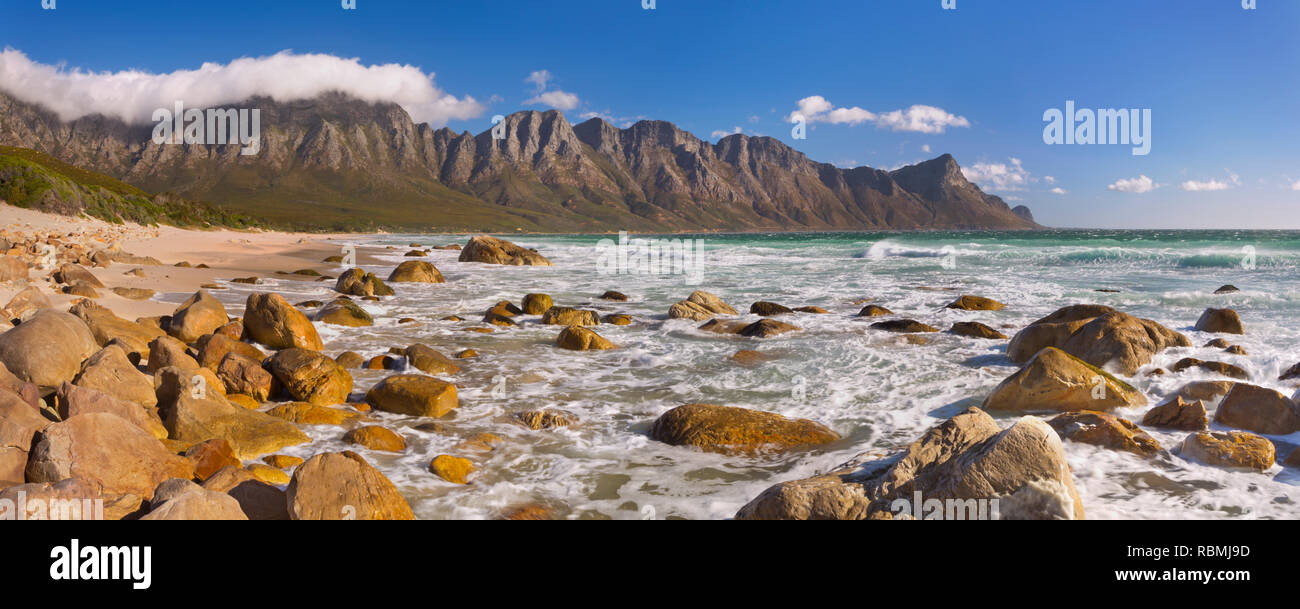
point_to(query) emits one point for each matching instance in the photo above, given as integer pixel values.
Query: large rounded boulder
(270, 319)
(416, 271)
(1054, 380)
(48, 348)
(342, 486)
(490, 250)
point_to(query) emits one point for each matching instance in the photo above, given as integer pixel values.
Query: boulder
(1220, 320)
(1177, 413)
(428, 360)
(544, 419)
(70, 499)
(211, 456)
(967, 302)
(504, 308)
(19, 424)
(416, 271)
(1213, 367)
(616, 319)
(165, 352)
(455, 470)
(200, 314)
(304, 413)
(614, 296)
(311, 376)
(111, 372)
(134, 293)
(1233, 449)
(1258, 409)
(72, 400)
(413, 394)
(342, 486)
(69, 273)
(268, 474)
(356, 282)
(903, 325)
(107, 451)
(1057, 381)
(26, 303)
(48, 348)
(350, 359)
(700, 306)
(874, 311)
(568, 316)
(723, 326)
(767, 328)
(578, 338)
(767, 309)
(343, 312)
(537, 304)
(213, 349)
(1098, 335)
(491, 250)
(197, 504)
(270, 319)
(193, 417)
(245, 376)
(964, 458)
(975, 329)
(1105, 430)
(257, 499)
(732, 430)
(1204, 390)
(107, 327)
(376, 437)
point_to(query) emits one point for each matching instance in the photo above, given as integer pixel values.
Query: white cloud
(1049, 179)
(133, 95)
(555, 98)
(816, 109)
(925, 148)
(721, 134)
(560, 100)
(999, 176)
(1295, 185)
(1209, 185)
(1058, 191)
(919, 118)
(1212, 185)
(1139, 185)
(925, 119)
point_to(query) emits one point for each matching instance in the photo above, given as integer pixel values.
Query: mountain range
(338, 163)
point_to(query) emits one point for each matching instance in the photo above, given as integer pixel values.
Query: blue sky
(1221, 81)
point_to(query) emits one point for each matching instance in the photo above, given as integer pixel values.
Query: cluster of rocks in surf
(186, 416)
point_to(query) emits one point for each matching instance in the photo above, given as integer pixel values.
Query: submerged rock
(728, 429)
(1105, 430)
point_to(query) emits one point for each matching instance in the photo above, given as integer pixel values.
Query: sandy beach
(228, 254)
